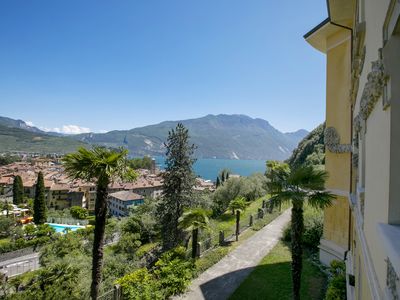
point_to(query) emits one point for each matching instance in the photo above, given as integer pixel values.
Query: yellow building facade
(361, 40)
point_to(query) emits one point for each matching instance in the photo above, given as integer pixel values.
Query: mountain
(11, 123)
(216, 136)
(297, 135)
(16, 137)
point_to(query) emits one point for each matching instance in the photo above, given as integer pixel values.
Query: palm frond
(320, 199)
(238, 203)
(282, 197)
(308, 178)
(99, 161)
(196, 218)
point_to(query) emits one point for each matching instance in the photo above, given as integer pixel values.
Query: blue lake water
(209, 168)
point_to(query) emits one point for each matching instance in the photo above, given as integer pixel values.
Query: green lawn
(272, 279)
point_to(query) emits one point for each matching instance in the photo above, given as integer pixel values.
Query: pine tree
(18, 190)
(178, 185)
(39, 204)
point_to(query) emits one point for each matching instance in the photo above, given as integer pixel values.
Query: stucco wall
(336, 222)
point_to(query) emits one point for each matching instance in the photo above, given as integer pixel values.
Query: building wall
(375, 180)
(375, 161)
(338, 115)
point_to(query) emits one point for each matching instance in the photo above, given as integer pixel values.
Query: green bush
(92, 220)
(7, 246)
(174, 272)
(78, 212)
(171, 275)
(313, 228)
(140, 284)
(337, 285)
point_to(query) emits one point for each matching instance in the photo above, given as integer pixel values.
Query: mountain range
(216, 136)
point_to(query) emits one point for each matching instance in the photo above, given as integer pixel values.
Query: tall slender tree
(103, 166)
(18, 190)
(298, 186)
(217, 182)
(178, 185)
(39, 204)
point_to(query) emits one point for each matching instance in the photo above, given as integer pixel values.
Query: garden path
(222, 279)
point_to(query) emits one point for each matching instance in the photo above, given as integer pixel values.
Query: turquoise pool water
(63, 227)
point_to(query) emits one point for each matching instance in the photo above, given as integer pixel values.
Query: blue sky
(104, 65)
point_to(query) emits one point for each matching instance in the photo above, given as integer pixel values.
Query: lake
(209, 168)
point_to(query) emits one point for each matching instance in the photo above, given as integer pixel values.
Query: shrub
(313, 228)
(78, 212)
(92, 220)
(337, 285)
(6, 226)
(171, 276)
(286, 235)
(140, 284)
(174, 272)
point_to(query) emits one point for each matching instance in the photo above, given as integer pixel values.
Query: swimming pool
(64, 228)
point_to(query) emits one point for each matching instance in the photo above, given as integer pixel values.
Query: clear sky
(104, 65)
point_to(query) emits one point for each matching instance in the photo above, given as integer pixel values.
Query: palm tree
(237, 205)
(274, 169)
(298, 186)
(194, 220)
(102, 166)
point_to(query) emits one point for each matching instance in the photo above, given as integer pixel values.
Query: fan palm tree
(102, 166)
(237, 205)
(194, 220)
(304, 184)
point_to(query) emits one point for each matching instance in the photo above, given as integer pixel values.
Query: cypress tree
(178, 185)
(18, 190)
(39, 204)
(218, 182)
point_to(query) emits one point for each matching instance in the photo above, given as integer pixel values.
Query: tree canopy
(310, 151)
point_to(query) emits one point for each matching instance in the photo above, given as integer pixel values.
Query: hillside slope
(311, 150)
(17, 139)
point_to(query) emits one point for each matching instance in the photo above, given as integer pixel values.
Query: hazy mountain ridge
(220, 136)
(216, 136)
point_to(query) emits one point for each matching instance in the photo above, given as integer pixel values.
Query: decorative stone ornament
(332, 141)
(357, 124)
(354, 160)
(373, 89)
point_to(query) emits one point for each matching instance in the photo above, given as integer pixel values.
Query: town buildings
(62, 192)
(361, 40)
(121, 202)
